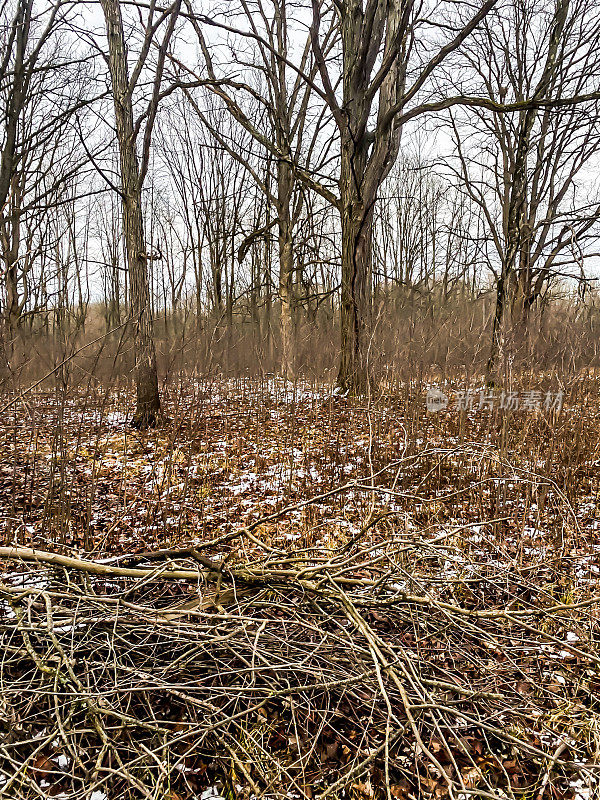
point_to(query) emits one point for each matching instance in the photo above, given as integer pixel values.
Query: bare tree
(40, 90)
(424, 235)
(381, 84)
(274, 112)
(132, 177)
(526, 170)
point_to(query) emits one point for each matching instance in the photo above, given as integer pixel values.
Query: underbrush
(331, 597)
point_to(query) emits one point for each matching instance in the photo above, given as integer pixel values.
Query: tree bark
(366, 158)
(355, 311)
(286, 267)
(10, 237)
(9, 179)
(146, 376)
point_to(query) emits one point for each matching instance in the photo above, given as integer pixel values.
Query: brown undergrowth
(331, 597)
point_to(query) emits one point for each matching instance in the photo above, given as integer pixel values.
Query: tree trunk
(517, 233)
(286, 268)
(146, 377)
(10, 195)
(356, 211)
(10, 238)
(497, 339)
(355, 311)
(13, 306)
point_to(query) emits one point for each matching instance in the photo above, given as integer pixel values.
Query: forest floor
(387, 602)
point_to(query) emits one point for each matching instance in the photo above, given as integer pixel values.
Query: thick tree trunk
(286, 268)
(12, 313)
(10, 195)
(10, 238)
(513, 292)
(519, 301)
(355, 312)
(146, 377)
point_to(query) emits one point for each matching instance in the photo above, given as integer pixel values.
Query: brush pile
(402, 668)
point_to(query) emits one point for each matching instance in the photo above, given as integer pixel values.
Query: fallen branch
(308, 672)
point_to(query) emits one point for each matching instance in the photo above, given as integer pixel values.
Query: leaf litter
(363, 664)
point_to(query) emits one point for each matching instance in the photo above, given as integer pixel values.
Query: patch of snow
(211, 792)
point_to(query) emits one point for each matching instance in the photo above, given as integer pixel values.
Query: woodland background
(240, 242)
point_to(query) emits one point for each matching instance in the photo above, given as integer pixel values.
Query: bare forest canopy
(241, 181)
(299, 417)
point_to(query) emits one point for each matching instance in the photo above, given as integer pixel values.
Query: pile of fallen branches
(366, 670)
